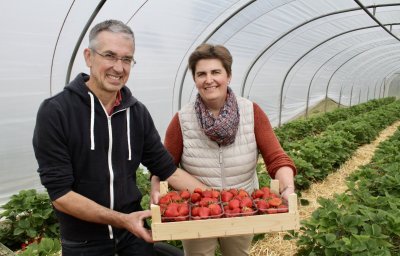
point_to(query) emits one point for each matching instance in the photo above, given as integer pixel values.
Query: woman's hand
(155, 190)
(285, 192)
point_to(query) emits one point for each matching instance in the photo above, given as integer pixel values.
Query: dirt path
(273, 244)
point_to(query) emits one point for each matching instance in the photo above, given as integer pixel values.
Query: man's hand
(134, 223)
(83, 208)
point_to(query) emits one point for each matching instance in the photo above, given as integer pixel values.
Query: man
(89, 140)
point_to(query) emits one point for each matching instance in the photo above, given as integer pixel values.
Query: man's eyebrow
(113, 53)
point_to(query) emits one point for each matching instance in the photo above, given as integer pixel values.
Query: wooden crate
(255, 224)
(4, 251)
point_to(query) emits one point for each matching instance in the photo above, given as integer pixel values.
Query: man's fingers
(145, 234)
(145, 214)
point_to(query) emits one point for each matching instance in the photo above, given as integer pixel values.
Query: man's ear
(87, 54)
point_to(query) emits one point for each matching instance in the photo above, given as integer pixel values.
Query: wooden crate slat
(225, 226)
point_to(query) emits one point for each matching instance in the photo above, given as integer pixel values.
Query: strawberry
(163, 207)
(195, 197)
(233, 204)
(242, 193)
(164, 200)
(204, 212)
(246, 211)
(215, 209)
(173, 205)
(171, 211)
(246, 202)
(262, 204)
(272, 210)
(275, 202)
(206, 193)
(226, 196)
(183, 210)
(266, 196)
(176, 198)
(273, 195)
(234, 191)
(195, 211)
(215, 193)
(226, 207)
(232, 212)
(171, 193)
(258, 193)
(185, 194)
(198, 190)
(207, 200)
(266, 190)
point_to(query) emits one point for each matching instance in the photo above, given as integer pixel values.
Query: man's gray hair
(114, 26)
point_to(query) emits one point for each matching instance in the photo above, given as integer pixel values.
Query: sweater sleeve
(173, 139)
(273, 154)
(51, 151)
(155, 156)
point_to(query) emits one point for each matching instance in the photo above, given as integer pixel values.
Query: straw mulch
(273, 243)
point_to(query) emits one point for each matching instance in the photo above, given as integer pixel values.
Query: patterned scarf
(223, 128)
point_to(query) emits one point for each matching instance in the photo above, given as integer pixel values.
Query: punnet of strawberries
(175, 206)
(214, 203)
(268, 202)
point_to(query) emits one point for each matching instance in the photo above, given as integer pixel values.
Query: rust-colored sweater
(273, 154)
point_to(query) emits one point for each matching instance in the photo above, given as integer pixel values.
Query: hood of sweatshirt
(78, 86)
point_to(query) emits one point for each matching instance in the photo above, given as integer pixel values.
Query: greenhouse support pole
(80, 39)
(351, 94)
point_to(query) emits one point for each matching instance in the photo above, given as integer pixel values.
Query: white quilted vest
(232, 166)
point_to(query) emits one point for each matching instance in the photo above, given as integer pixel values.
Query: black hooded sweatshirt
(80, 148)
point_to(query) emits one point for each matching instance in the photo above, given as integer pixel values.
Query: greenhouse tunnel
(288, 56)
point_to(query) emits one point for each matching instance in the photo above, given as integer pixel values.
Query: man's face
(107, 75)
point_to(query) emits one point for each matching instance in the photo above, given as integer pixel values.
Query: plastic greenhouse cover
(288, 55)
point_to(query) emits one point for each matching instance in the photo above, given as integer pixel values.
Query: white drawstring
(128, 128)
(91, 121)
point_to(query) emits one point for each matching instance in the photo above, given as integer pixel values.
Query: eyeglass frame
(114, 58)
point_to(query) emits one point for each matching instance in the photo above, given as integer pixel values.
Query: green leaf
(18, 231)
(330, 238)
(31, 232)
(24, 224)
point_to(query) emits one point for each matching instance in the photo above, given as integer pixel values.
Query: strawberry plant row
(302, 128)
(316, 157)
(366, 219)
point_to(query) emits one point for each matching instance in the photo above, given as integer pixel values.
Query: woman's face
(211, 81)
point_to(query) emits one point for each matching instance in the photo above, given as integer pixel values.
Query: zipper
(221, 166)
(111, 171)
(110, 167)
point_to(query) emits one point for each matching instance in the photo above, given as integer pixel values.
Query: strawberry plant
(28, 216)
(366, 219)
(46, 247)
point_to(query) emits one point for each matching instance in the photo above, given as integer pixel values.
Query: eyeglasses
(112, 58)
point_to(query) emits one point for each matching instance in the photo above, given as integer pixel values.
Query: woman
(217, 139)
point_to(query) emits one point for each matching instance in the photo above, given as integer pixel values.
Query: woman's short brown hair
(209, 51)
